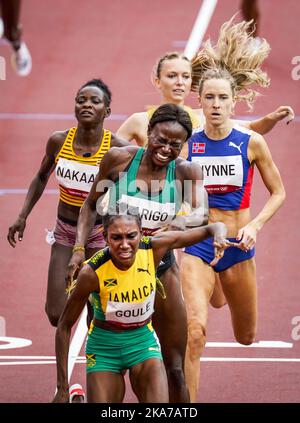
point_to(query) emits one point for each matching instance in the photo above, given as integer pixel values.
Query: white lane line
(77, 341)
(81, 360)
(10, 342)
(246, 359)
(260, 344)
(200, 26)
(82, 334)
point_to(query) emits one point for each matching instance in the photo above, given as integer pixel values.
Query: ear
(107, 112)
(156, 82)
(148, 130)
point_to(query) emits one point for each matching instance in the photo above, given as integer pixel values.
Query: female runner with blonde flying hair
(175, 76)
(227, 153)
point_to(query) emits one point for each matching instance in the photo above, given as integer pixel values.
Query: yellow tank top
(76, 174)
(126, 297)
(193, 116)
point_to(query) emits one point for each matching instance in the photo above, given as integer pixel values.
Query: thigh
(218, 299)
(149, 381)
(198, 280)
(169, 319)
(60, 256)
(105, 387)
(240, 289)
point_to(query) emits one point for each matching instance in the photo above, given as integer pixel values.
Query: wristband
(78, 248)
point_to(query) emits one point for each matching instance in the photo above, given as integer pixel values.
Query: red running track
(120, 41)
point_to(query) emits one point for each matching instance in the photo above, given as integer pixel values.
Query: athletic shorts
(108, 351)
(65, 234)
(232, 256)
(166, 262)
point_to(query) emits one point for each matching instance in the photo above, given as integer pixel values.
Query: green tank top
(155, 210)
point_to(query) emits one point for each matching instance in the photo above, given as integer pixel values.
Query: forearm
(192, 236)
(270, 208)
(34, 193)
(264, 125)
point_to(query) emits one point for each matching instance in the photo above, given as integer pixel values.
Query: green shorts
(108, 351)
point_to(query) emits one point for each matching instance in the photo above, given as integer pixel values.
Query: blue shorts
(232, 256)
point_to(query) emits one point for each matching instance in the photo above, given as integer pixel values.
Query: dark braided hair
(171, 113)
(102, 86)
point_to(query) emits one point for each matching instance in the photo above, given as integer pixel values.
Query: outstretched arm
(266, 123)
(165, 241)
(87, 282)
(36, 187)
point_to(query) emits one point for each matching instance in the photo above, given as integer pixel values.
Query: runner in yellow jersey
(121, 279)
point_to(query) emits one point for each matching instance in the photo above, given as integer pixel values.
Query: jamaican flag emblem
(110, 282)
(90, 360)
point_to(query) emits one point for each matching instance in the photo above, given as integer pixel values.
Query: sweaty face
(175, 80)
(90, 106)
(123, 237)
(165, 142)
(217, 101)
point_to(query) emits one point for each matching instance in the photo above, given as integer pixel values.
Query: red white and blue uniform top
(227, 172)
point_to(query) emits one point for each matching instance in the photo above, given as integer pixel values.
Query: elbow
(281, 196)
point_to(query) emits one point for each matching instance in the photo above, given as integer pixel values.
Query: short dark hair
(97, 82)
(171, 113)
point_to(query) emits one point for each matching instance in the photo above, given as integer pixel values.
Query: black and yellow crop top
(126, 297)
(76, 174)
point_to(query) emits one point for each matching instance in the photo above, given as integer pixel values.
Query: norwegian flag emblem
(198, 147)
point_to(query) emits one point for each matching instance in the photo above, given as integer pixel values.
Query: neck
(178, 103)
(218, 132)
(121, 266)
(89, 135)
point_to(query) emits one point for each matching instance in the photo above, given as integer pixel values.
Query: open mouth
(125, 255)
(162, 158)
(178, 91)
